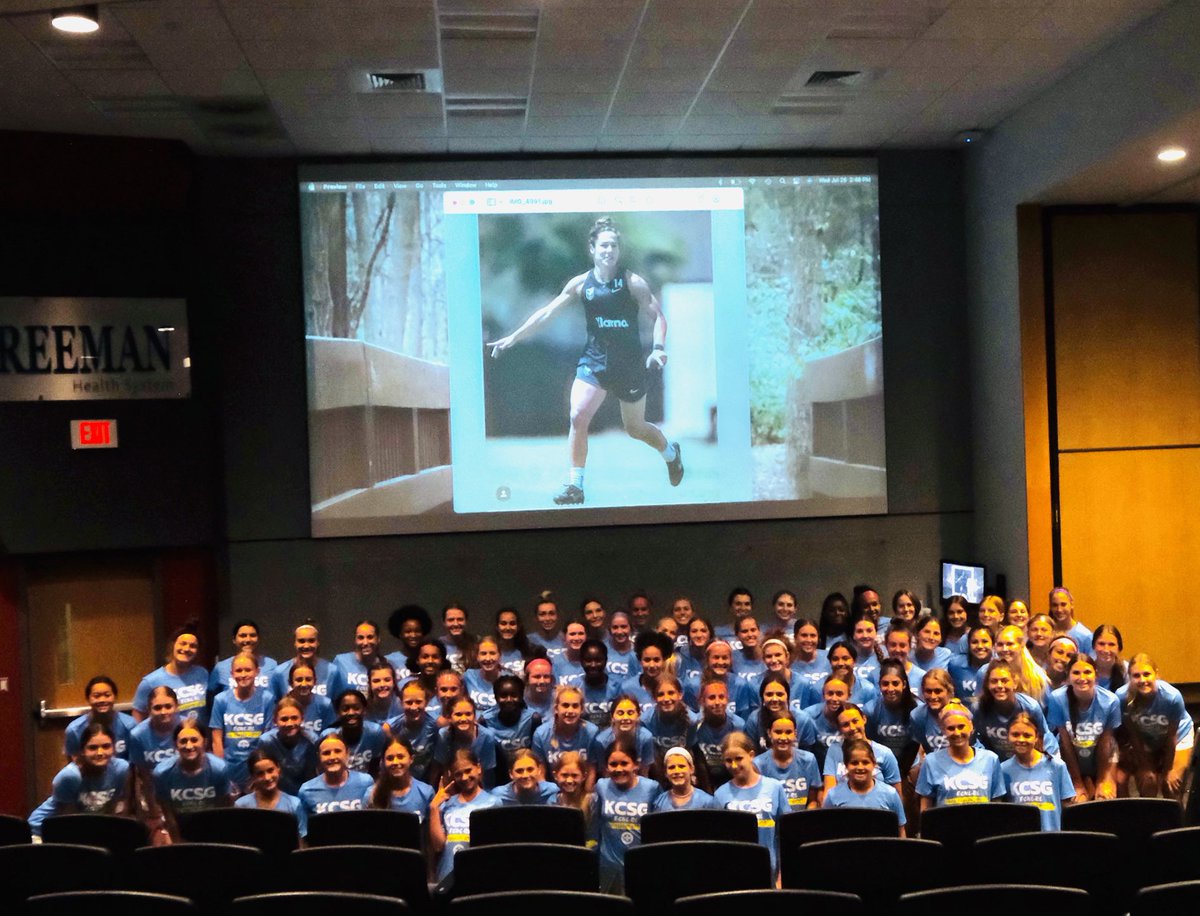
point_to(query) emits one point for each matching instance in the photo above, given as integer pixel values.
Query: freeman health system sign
(58, 349)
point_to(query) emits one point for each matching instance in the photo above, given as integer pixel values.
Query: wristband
(658, 347)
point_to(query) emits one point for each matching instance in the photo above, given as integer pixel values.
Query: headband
(775, 641)
(538, 665)
(680, 752)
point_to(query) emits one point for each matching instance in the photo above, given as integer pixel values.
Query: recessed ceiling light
(1172, 154)
(78, 20)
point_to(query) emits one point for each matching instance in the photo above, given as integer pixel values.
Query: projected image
(516, 353)
(592, 393)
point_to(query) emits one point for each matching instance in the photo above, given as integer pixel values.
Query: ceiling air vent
(405, 81)
(833, 78)
(514, 25)
(487, 106)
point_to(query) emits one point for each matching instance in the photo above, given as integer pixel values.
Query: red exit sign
(93, 434)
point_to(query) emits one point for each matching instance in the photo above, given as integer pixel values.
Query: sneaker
(675, 467)
(569, 495)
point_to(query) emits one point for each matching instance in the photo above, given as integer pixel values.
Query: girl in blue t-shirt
(318, 710)
(809, 666)
(967, 670)
(240, 715)
(773, 692)
(337, 788)
(1152, 717)
(567, 731)
(525, 783)
(417, 727)
(97, 783)
(570, 776)
(749, 790)
(264, 772)
(959, 774)
(365, 740)
(937, 690)
(866, 647)
(1033, 778)
(671, 724)
(860, 788)
(351, 670)
(824, 715)
(193, 780)
(101, 696)
(513, 641)
(510, 722)
(998, 703)
(396, 789)
(450, 810)
(929, 652)
(182, 674)
(620, 801)
(292, 745)
(1086, 718)
(679, 775)
(383, 703)
(956, 616)
(795, 768)
(480, 679)
(465, 732)
(1107, 645)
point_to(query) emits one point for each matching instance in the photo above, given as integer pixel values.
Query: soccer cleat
(675, 466)
(569, 495)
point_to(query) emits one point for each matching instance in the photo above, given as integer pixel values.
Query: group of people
(624, 713)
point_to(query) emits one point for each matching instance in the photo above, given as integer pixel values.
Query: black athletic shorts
(628, 383)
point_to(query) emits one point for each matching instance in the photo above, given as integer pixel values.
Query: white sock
(669, 453)
(576, 479)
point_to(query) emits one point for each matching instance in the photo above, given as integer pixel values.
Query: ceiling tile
(409, 146)
(727, 79)
(484, 126)
(131, 83)
(690, 141)
(949, 52)
(678, 79)
(399, 104)
(559, 144)
(487, 82)
(569, 104)
(651, 103)
(626, 124)
(392, 129)
(637, 143)
(485, 144)
(983, 22)
(563, 127)
(207, 82)
(546, 79)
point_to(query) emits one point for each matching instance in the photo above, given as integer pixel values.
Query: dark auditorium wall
(228, 468)
(280, 576)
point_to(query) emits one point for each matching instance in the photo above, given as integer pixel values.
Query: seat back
(273, 832)
(895, 867)
(528, 824)
(658, 875)
(317, 903)
(14, 830)
(1175, 855)
(1159, 899)
(800, 827)
(384, 870)
(51, 868)
(127, 903)
(1134, 820)
(997, 898)
(700, 824)
(770, 901)
(365, 827)
(1062, 859)
(575, 903)
(959, 826)
(119, 835)
(220, 871)
(525, 866)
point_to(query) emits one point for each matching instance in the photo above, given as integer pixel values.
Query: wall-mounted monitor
(963, 579)
(511, 345)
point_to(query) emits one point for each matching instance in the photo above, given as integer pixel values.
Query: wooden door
(85, 617)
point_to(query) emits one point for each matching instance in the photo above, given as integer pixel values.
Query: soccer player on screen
(612, 357)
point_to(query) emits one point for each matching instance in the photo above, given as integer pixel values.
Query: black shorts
(628, 383)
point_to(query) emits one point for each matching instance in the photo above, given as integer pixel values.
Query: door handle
(48, 713)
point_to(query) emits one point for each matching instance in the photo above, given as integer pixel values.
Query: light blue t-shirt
(73, 791)
(939, 658)
(811, 673)
(767, 800)
(827, 732)
(622, 665)
(1103, 714)
(367, 749)
(319, 714)
(191, 690)
(708, 743)
(325, 678)
(286, 803)
(882, 796)
(481, 691)
(349, 673)
(422, 737)
(967, 678)
(566, 672)
(512, 662)
(148, 748)
(605, 738)
(948, 782)
(550, 746)
(185, 793)
(483, 745)
(415, 801)
(887, 770)
(242, 724)
(890, 727)
(221, 677)
(927, 730)
(806, 729)
(399, 662)
(510, 738)
(598, 700)
(554, 646)
(1154, 722)
(456, 819)
(862, 692)
(122, 726)
(617, 823)
(1045, 785)
(799, 777)
(297, 761)
(992, 728)
(675, 731)
(318, 797)
(700, 800)
(544, 793)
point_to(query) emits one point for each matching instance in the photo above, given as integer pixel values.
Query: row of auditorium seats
(1155, 901)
